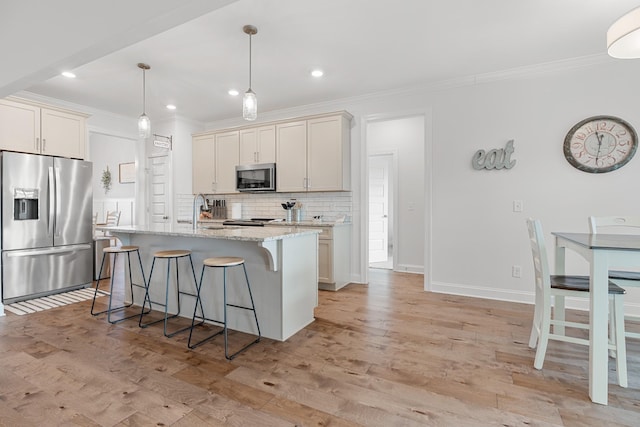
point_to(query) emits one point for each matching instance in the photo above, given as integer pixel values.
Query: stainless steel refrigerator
(47, 230)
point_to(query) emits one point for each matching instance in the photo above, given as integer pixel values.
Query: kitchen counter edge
(252, 234)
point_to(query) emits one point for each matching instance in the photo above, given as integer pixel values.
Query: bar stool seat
(169, 254)
(116, 250)
(224, 263)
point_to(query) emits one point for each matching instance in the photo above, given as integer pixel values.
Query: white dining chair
(619, 225)
(560, 286)
(112, 218)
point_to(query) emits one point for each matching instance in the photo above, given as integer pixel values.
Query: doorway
(159, 192)
(381, 202)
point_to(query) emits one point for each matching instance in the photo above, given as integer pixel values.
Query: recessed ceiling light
(317, 73)
(68, 74)
(171, 107)
(233, 92)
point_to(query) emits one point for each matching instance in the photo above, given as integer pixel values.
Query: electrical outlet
(516, 271)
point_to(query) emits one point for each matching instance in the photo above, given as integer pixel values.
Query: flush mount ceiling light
(249, 102)
(233, 92)
(317, 73)
(144, 124)
(623, 37)
(68, 74)
(171, 107)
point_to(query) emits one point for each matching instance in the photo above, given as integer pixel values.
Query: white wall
(405, 137)
(476, 236)
(112, 151)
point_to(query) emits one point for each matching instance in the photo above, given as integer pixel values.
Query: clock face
(600, 144)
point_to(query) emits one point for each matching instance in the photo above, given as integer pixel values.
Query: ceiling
(363, 46)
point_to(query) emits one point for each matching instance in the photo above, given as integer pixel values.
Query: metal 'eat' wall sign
(498, 158)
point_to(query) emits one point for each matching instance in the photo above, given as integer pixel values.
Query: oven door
(258, 177)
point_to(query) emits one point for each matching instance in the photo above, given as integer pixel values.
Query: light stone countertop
(250, 234)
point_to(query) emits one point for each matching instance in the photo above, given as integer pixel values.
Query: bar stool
(224, 263)
(169, 255)
(116, 250)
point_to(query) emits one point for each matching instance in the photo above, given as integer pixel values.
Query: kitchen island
(281, 262)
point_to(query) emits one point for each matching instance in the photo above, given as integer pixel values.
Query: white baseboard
(409, 268)
(630, 309)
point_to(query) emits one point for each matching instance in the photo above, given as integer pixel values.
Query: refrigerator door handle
(52, 204)
(47, 251)
(57, 201)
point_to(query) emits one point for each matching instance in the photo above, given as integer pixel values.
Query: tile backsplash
(268, 205)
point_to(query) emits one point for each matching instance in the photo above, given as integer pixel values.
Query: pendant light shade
(250, 102)
(144, 124)
(623, 37)
(249, 105)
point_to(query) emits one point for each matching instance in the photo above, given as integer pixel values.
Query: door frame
(149, 183)
(393, 152)
(427, 114)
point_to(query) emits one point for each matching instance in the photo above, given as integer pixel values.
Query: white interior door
(378, 208)
(160, 191)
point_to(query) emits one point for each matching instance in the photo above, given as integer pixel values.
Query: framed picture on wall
(127, 173)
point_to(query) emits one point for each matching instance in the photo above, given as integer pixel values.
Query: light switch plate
(518, 206)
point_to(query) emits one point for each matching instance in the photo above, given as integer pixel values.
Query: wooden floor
(386, 354)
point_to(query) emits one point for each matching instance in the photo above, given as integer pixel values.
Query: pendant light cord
(249, 61)
(144, 86)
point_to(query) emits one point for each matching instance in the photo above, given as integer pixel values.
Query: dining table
(603, 252)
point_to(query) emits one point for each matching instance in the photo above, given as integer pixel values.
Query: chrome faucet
(205, 205)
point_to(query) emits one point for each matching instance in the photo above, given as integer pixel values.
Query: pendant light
(249, 102)
(144, 124)
(623, 37)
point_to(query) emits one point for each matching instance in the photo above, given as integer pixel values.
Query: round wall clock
(600, 144)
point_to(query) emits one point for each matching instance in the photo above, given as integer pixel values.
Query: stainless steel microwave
(257, 177)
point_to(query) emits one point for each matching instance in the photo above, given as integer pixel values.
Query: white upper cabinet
(258, 145)
(19, 127)
(63, 134)
(291, 156)
(215, 156)
(203, 166)
(39, 129)
(314, 154)
(226, 160)
(328, 154)
(311, 154)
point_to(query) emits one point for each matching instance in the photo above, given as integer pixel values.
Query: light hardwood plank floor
(385, 354)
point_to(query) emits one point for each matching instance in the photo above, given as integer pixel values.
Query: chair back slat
(113, 218)
(539, 252)
(614, 224)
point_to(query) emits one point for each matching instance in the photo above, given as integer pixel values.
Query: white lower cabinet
(334, 257)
